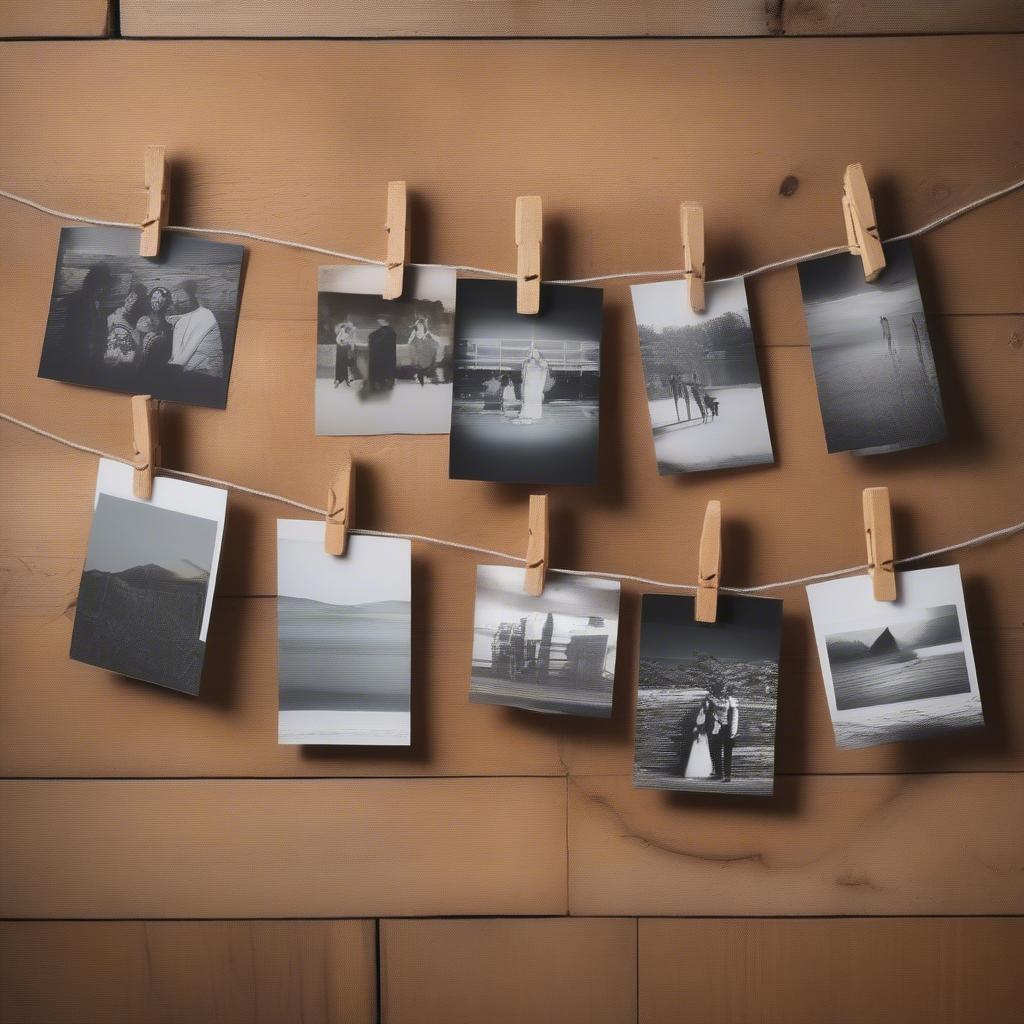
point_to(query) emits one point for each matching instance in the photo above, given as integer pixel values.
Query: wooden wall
(163, 859)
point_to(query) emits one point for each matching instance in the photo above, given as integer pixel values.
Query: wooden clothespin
(861, 226)
(709, 564)
(691, 223)
(397, 228)
(340, 509)
(157, 200)
(529, 234)
(881, 552)
(537, 546)
(146, 442)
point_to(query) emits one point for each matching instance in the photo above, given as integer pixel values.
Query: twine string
(971, 542)
(488, 272)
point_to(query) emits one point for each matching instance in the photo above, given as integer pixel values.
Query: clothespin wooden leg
(529, 234)
(157, 201)
(709, 564)
(861, 226)
(537, 546)
(340, 509)
(881, 550)
(691, 222)
(146, 445)
(397, 228)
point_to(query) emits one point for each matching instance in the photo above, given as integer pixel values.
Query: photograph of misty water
(873, 365)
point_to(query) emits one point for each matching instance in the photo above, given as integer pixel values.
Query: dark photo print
(877, 385)
(164, 326)
(553, 653)
(143, 594)
(707, 695)
(703, 382)
(527, 388)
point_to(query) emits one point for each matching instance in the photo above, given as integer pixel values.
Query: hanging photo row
(511, 372)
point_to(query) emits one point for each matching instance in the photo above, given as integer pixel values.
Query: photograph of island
(707, 695)
(526, 399)
(896, 670)
(343, 639)
(163, 326)
(703, 382)
(553, 653)
(384, 366)
(873, 364)
(147, 586)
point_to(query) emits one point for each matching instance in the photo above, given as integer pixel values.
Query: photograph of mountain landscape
(877, 384)
(906, 669)
(143, 601)
(553, 653)
(343, 639)
(707, 695)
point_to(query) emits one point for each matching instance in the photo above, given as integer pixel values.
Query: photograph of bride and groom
(707, 695)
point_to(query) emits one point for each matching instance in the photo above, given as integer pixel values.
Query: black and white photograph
(703, 382)
(873, 365)
(384, 366)
(553, 653)
(896, 670)
(146, 592)
(527, 387)
(163, 327)
(707, 695)
(343, 639)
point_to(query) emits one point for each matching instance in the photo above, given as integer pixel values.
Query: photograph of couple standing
(124, 323)
(707, 695)
(713, 736)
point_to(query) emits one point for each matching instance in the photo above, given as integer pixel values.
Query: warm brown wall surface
(126, 807)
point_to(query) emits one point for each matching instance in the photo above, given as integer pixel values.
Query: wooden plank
(619, 215)
(556, 969)
(916, 971)
(323, 848)
(63, 718)
(69, 19)
(548, 18)
(840, 845)
(166, 972)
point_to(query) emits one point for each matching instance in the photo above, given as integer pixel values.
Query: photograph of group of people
(384, 366)
(164, 326)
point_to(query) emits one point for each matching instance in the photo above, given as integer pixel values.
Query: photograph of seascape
(873, 364)
(344, 639)
(896, 670)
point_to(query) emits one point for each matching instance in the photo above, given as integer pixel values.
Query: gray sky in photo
(667, 303)
(128, 533)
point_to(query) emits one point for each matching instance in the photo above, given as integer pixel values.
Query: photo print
(552, 653)
(896, 670)
(146, 593)
(343, 638)
(703, 382)
(873, 366)
(163, 327)
(707, 695)
(527, 388)
(384, 366)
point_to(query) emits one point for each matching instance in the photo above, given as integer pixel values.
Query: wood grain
(505, 971)
(844, 971)
(182, 972)
(862, 845)
(549, 18)
(26, 19)
(324, 848)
